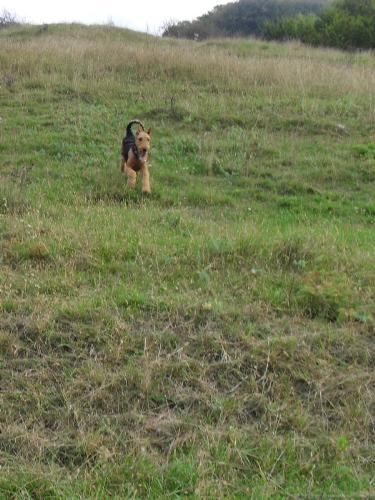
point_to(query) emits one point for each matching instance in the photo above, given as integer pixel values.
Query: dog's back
(127, 143)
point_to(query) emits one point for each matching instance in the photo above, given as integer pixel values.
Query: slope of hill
(216, 338)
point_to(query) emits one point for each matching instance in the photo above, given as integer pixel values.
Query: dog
(135, 155)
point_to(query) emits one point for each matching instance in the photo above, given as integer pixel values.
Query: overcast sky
(143, 15)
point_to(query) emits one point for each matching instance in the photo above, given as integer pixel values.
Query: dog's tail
(129, 127)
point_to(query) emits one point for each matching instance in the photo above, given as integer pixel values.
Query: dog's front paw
(147, 192)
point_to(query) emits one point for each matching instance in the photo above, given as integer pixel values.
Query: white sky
(142, 15)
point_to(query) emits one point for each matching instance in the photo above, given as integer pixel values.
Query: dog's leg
(145, 180)
(132, 177)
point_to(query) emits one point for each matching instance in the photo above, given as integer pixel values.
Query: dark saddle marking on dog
(128, 143)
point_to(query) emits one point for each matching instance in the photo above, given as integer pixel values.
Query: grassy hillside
(216, 338)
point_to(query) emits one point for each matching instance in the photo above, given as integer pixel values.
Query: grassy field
(215, 339)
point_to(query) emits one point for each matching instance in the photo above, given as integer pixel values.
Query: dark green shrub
(241, 18)
(348, 24)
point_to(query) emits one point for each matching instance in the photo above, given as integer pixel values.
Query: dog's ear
(149, 132)
(138, 131)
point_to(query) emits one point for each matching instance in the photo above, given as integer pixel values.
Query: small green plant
(365, 150)
(323, 299)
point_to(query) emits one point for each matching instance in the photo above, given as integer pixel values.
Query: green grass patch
(216, 338)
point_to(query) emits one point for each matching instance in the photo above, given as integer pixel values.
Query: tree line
(346, 24)
(7, 19)
(241, 18)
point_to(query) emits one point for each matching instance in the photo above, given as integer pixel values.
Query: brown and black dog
(135, 154)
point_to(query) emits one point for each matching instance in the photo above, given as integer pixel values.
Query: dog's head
(143, 143)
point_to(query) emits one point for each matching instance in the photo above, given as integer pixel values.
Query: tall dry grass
(106, 62)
